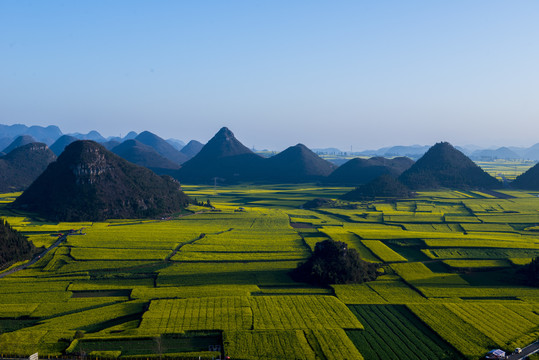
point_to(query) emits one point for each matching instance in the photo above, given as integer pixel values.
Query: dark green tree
(13, 245)
(334, 263)
(531, 272)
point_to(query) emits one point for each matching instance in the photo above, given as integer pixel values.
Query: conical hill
(444, 166)
(360, 171)
(223, 158)
(144, 155)
(162, 147)
(528, 180)
(192, 148)
(297, 164)
(23, 165)
(61, 143)
(90, 183)
(18, 142)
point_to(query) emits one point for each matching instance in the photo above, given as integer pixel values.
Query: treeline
(13, 245)
(531, 272)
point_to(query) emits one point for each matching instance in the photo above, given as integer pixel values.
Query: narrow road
(527, 351)
(38, 257)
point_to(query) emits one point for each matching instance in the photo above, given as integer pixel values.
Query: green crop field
(450, 286)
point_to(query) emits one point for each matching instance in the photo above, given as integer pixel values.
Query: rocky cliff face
(89, 171)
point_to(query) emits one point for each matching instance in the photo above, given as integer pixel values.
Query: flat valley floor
(217, 280)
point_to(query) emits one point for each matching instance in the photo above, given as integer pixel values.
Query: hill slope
(361, 171)
(532, 152)
(444, 166)
(60, 144)
(192, 148)
(18, 142)
(297, 164)
(144, 155)
(162, 147)
(383, 186)
(529, 180)
(23, 165)
(90, 183)
(223, 157)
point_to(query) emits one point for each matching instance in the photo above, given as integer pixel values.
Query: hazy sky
(325, 73)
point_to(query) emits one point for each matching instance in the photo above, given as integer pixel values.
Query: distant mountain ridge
(89, 183)
(500, 153)
(45, 134)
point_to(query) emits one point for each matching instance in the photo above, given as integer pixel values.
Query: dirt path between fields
(200, 237)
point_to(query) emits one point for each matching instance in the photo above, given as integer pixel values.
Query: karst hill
(192, 148)
(297, 164)
(360, 171)
(21, 166)
(444, 166)
(144, 155)
(528, 180)
(225, 158)
(162, 147)
(90, 183)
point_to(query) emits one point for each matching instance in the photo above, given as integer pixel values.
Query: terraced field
(449, 288)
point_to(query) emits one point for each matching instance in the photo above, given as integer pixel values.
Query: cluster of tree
(531, 272)
(332, 262)
(13, 245)
(202, 203)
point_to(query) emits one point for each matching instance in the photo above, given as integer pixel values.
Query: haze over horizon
(352, 73)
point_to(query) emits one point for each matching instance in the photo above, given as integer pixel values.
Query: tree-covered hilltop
(384, 186)
(90, 183)
(332, 262)
(361, 171)
(13, 245)
(529, 180)
(23, 165)
(445, 166)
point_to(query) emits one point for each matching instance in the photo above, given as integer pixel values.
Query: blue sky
(357, 73)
